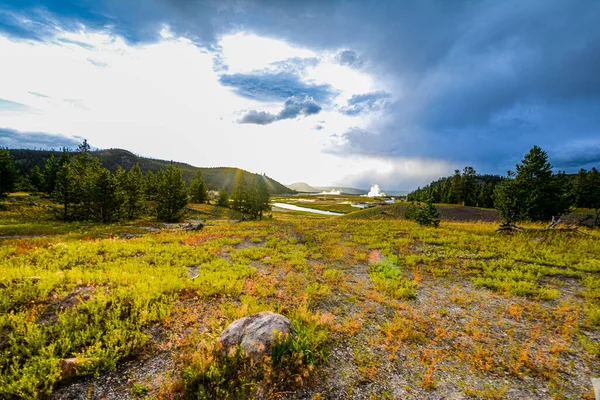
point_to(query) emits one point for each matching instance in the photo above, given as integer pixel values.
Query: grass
(373, 299)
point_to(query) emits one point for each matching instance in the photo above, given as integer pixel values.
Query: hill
(303, 187)
(216, 178)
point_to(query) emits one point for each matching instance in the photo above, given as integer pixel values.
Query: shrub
(427, 214)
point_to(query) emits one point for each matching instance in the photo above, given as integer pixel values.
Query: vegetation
(8, 173)
(427, 214)
(215, 178)
(171, 195)
(458, 308)
(198, 189)
(254, 200)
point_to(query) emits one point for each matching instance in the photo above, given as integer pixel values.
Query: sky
(345, 93)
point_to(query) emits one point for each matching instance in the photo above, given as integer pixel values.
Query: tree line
(467, 188)
(533, 192)
(88, 191)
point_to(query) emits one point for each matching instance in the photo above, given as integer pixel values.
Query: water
(310, 210)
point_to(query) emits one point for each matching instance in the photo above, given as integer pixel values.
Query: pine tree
(134, 192)
(223, 200)
(35, 178)
(240, 195)
(508, 200)
(171, 196)
(64, 189)
(198, 189)
(263, 197)
(8, 173)
(543, 193)
(105, 199)
(468, 187)
(50, 171)
(151, 187)
(122, 183)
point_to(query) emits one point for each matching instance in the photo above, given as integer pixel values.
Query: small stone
(256, 333)
(68, 367)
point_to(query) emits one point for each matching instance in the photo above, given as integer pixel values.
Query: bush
(427, 214)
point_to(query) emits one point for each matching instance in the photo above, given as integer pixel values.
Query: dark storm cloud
(14, 139)
(473, 81)
(292, 108)
(267, 86)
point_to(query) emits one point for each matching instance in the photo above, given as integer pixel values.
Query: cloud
(292, 108)
(349, 58)
(15, 139)
(275, 86)
(364, 103)
(258, 118)
(13, 106)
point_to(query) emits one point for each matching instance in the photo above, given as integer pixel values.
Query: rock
(79, 295)
(193, 227)
(596, 384)
(68, 367)
(539, 239)
(256, 333)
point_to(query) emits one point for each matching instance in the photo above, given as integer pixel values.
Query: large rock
(256, 333)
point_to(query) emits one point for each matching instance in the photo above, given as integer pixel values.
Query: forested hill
(216, 178)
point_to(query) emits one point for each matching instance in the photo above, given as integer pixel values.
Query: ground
(384, 308)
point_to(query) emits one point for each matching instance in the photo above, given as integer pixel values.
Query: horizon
(308, 92)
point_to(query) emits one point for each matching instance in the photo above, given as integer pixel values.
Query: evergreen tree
(239, 196)
(263, 197)
(542, 192)
(534, 193)
(122, 183)
(455, 194)
(8, 173)
(151, 187)
(508, 200)
(105, 200)
(198, 189)
(85, 170)
(593, 182)
(134, 192)
(171, 195)
(64, 189)
(223, 200)
(35, 178)
(50, 171)
(468, 187)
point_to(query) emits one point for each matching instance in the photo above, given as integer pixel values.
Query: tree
(427, 214)
(239, 196)
(259, 197)
(468, 187)
(49, 176)
(508, 201)
(171, 194)
(151, 187)
(455, 194)
(64, 188)
(105, 200)
(8, 173)
(223, 200)
(594, 194)
(534, 193)
(35, 178)
(198, 189)
(542, 192)
(134, 192)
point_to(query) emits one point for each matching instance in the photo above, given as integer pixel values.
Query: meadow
(382, 307)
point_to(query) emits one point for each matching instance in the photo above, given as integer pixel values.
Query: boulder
(193, 227)
(256, 333)
(68, 367)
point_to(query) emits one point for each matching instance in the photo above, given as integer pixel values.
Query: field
(382, 307)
